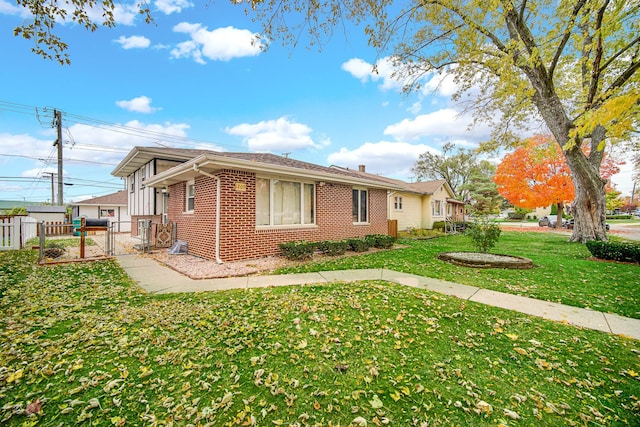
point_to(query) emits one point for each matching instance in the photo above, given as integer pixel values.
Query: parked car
(569, 225)
(553, 220)
(550, 221)
(543, 221)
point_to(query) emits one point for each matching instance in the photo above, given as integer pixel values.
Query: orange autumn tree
(536, 174)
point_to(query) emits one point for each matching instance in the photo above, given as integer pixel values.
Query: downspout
(217, 178)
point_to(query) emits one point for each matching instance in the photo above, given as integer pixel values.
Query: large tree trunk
(589, 206)
(559, 215)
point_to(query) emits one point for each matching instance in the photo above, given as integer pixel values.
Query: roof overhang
(140, 156)
(212, 163)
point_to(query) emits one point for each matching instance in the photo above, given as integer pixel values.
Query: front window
(437, 208)
(397, 203)
(284, 202)
(191, 196)
(360, 205)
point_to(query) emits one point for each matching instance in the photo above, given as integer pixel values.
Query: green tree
(571, 64)
(484, 198)
(456, 166)
(613, 199)
(46, 14)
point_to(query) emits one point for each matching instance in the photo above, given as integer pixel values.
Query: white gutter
(217, 178)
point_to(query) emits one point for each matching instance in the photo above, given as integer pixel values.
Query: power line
(156, 137)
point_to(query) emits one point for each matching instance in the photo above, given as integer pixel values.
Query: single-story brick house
(110, 206)
(235, 206)
(419, 205)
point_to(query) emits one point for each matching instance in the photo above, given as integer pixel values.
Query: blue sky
(195, 78)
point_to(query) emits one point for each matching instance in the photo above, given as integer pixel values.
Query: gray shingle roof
(113, 199)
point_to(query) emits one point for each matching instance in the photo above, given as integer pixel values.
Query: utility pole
(57, 118)
(52, 186)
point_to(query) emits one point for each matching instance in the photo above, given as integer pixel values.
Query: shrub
(516, 216)
(333, 247)
(615, 251)
(358, 245)
(620, 216)
(298, 250)
(484, 233)
(439, 225)
(381, 241)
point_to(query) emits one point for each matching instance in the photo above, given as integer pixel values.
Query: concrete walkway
(157, 278)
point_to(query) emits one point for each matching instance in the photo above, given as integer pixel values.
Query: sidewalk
(157, 278)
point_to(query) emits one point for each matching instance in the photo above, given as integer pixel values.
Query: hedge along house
(236, 206)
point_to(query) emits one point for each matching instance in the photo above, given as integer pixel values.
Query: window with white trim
(190, 196)
(397, 203)
(437, 208)
(281, 202)
(360, 205)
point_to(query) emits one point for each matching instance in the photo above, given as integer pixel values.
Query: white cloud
(28, 146)
(276, 135)
(383, 71)
(10, 8)
(221, 44)
(133, 42)
(442, 84)
(111, 144)
(141, 104)
(124, 14)
(445, 122)
(170, 6)
(415, 108)
(392, 159)
(39, 172)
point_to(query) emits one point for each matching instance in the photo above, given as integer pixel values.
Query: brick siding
(239, 238)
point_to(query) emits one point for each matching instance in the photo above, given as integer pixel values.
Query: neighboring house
(234, 206)
(111, 206)
(420, 204)
(48, 214)
(540, 212)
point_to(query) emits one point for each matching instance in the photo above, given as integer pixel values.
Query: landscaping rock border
(486, 260)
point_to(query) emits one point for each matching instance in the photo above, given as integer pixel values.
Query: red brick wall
(239, 238)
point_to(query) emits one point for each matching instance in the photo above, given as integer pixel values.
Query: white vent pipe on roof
(217, 178)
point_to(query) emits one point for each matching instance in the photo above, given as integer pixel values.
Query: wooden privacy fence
(392, 227)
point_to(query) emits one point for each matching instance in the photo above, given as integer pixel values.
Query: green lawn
(79, 344)
(563, 271)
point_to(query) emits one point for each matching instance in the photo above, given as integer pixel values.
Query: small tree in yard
(484, 233)
(484, 201)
